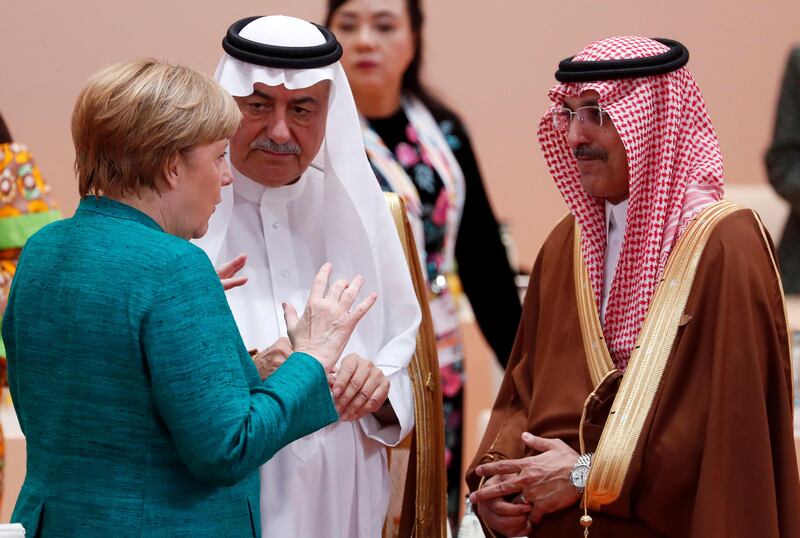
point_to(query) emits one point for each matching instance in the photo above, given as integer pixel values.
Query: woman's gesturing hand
(227, 273)
(327, 321)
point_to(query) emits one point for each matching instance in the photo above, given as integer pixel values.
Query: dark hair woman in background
(420, 150)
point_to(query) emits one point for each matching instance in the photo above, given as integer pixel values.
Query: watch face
(580, 475)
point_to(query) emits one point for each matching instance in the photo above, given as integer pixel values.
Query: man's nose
(279, 131)
(577, 133)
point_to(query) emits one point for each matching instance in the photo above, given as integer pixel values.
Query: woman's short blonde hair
(132, 117)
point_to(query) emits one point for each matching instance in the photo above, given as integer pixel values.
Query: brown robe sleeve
(502, 439)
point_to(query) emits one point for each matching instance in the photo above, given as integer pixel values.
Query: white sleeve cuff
(401, 397)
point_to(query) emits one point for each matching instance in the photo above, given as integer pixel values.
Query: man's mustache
(586, 151)
(269, 145)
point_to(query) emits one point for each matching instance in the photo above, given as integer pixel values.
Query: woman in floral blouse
(420, 150)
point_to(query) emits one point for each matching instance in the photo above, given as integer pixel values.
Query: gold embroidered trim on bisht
(423, 512)
(598, 359)
(645, 369)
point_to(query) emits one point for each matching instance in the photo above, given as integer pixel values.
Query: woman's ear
(173, 170)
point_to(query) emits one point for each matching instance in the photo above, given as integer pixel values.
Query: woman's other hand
(360, 388)
(327, 321)
(268, 360)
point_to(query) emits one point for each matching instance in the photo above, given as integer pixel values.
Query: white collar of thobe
(616, 214)
(616, 221)
(259, 194)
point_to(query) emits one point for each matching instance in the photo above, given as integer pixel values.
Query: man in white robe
(304, 194)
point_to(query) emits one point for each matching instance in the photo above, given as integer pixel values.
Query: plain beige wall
(492, 61)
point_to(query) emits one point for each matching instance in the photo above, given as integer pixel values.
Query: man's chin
(593, 186)
(270, 174)
(276, 180)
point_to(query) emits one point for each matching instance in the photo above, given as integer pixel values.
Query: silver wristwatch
(580, 471)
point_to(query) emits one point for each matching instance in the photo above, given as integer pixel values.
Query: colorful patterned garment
(672, 178)
(25, 206)
(425, 155)
(420, 167)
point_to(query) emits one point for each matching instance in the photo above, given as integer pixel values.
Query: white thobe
(334, 482)
(616, 222)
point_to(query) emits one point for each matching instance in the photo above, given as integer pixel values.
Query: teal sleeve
(224, 421)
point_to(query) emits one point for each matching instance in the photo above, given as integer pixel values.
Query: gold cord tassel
(586, 522)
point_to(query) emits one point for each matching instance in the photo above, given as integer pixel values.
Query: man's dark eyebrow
(302, 100)
(305, 99)
(259, 93)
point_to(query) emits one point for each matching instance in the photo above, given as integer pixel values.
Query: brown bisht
(715, 452)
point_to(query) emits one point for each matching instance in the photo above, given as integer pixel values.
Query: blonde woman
(143, 412)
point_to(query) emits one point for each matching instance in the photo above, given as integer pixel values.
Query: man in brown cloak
(649, 391)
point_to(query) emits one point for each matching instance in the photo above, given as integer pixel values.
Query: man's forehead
(318, 92)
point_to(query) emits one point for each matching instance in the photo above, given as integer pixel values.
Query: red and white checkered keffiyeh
(675, 168)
